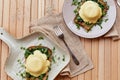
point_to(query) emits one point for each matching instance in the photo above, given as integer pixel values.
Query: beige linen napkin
(46, 24)
(115, 31)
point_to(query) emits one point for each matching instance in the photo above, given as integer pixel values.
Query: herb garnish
(53, 50)
(63, 58)
(40, 38)
(41, 76)
(53, 59)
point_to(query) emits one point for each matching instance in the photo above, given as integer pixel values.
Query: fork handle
(73, 56)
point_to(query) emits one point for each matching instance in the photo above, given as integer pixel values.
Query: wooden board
(16, 16)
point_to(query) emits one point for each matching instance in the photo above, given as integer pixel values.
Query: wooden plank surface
(16, 16)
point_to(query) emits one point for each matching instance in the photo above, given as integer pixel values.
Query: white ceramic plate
(96, 31)
(13, 67)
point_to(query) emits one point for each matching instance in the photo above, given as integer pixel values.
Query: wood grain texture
(27, 16)
(34, 10)
(1, 17)
(114, 58)
(107, 59)
(95, 59)
(20, 18)
(4, 50)
(118, 60)
(16, 16)
(101, 59)
(88, 48)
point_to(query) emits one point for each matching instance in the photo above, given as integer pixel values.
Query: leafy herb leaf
(63, 58)
(53, 59)
(53, 50)
(40, 38)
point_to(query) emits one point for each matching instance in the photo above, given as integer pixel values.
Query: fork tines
(58, 31)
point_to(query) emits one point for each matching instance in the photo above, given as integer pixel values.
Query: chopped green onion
(40, 38)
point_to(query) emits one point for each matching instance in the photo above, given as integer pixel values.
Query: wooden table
(15, 17)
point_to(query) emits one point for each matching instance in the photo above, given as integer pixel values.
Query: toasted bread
(49, 57)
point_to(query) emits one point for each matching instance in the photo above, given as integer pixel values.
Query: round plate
(96, 31)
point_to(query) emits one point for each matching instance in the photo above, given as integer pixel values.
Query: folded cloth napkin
(115, 31)
(46, 24)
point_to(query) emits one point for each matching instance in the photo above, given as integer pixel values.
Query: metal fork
(60, 34)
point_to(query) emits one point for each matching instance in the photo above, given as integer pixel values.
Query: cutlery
(60, 34)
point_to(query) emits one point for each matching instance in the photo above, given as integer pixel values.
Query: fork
(60, 34)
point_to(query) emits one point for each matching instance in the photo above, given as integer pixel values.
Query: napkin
(46, 24)
(115, 31)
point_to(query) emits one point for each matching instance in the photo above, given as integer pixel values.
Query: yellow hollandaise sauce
(90, 12)
(37, 63)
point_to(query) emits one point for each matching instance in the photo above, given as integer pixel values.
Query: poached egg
(90, 12)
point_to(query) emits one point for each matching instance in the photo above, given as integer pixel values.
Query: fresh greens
(75, 2)
(30, 51)
(40, 38)
(53, 59)
(41, 76)
(53, 50)
(63, 58)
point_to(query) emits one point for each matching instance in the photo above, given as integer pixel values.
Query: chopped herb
(58, 58)
(27, 53)
(53, 50)
(23, 65)
(78, 26)
(101, 6)
(76, 11)
(17, 74)
(75, 2)
(23, 75)
(100, 26)
(28, 75)
(53, 59)
(47, 78)
(23, 48)
(49, 68)
(41, 76)
(45, 50)
(18, 60)
(40, 44)
(106, 20)
(40, 38)
(55, 55)
(63, 58)
(87, 23)
(79, 18)
(94, 0)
